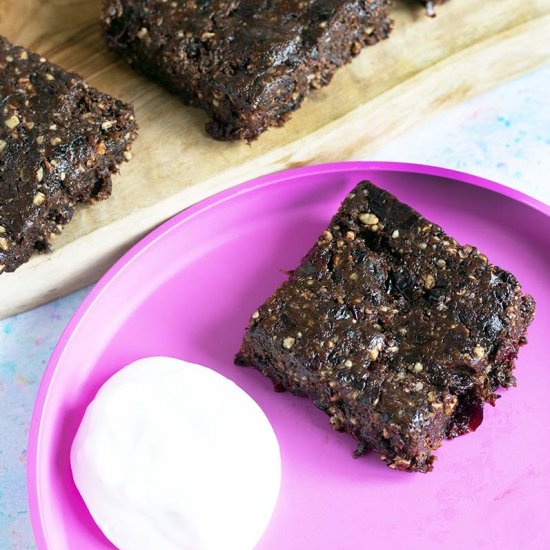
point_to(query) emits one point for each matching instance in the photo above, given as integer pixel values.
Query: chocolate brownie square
(395, 330)
(60, 141)
(247, 63)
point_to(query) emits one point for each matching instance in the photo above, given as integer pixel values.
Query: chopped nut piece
(4, 245)
(429, 281)
(288, 342)
(482, 257)
(367, 218)
(3, 145)
(418, 367)
(395, 234)
(400, 463)
(479, 352)
(40, 174)
(450, 405)
(12, 122)
(373, 353)
(39, 199)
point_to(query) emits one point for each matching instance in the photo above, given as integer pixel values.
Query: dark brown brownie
(60, 141)
(247, 63)
(395, 330)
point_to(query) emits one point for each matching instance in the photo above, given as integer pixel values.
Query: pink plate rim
(141, 247)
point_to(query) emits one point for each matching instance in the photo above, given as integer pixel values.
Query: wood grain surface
(426, 66)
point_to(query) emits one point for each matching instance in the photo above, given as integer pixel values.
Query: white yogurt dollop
(173, 455)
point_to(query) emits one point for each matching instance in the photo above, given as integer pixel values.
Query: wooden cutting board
(426, 66)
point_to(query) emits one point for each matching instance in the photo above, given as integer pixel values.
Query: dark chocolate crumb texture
(60, 141)
(395, 330)
(247, 63)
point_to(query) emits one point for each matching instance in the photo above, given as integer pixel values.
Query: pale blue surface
(503, 135)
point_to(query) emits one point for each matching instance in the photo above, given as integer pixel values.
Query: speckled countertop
(503, 135)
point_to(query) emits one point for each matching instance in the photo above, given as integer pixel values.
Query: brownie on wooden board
(247, 63)
(395, 330)
(60, 141)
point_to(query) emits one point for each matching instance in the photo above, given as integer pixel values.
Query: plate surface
(187, 291)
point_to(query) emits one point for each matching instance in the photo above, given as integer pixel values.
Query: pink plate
(187, 291)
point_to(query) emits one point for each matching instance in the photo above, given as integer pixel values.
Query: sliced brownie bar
(248, 63)
(394, 329)
(60, 141)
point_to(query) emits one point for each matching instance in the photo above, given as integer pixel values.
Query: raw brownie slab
(60, 141)
(247, 63)
(399, 333)
(430, 6)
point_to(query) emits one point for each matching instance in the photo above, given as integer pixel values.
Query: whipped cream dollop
(173, 455)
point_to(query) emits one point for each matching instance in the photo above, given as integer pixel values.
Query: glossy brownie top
(390, 314)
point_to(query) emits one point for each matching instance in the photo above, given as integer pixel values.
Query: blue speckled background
(503, 135)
